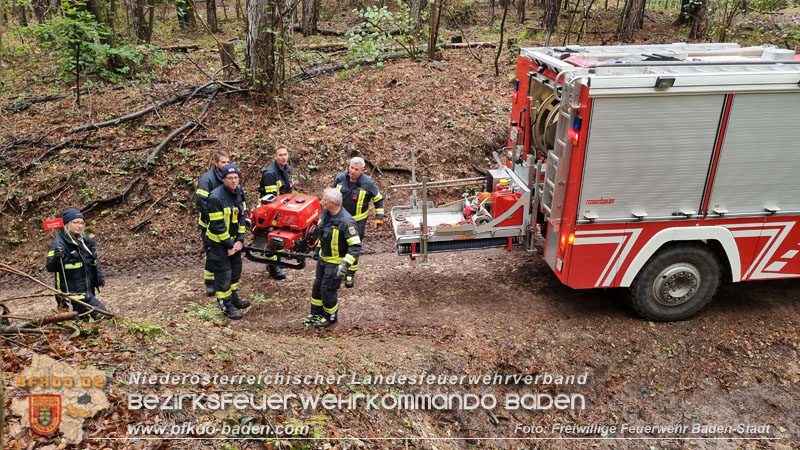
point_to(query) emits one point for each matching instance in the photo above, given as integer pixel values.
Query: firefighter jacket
(208, 182)
(356, 196)
(275, 181)
(226, 216)
(338, 241)
(77, 270)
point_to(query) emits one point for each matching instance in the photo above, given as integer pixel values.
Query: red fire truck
(660, 168)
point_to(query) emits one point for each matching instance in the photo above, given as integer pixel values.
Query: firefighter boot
(229, 310)
(276, 273)
(328, 321)
(239, 304)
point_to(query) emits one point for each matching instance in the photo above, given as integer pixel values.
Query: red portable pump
(288, 225)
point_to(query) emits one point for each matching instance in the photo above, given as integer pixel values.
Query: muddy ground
(478, 313)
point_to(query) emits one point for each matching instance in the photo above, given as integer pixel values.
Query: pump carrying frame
(421, 229)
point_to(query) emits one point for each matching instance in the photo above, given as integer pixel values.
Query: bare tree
(309, 17)
(505, 4)
(550, 18)
(630, 20)
(434, 19)
(211, 15)
(520, 12)
(141, 27)
(491, 12)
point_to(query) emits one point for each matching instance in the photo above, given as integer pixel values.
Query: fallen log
(191, 92)
(153, 157)
(117, 198)
(22, 105)
(38, 323)
(323, 69)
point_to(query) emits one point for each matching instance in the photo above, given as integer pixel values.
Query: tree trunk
(309, 17)
(417, 6)
(20, 11)
(136, 13)
(500, 45)
(629, 21)
(520, 12)
(434, 19)
(550, 18)
(41, 9)
(261, 68)
(699, 20)
(185, 11)
(491, 12)
(227, 52)
(211, 15)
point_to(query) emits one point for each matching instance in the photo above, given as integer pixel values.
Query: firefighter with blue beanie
(73, 259)
(358, 190)
(224, 240)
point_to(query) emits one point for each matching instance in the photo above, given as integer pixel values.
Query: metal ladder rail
(553, 190)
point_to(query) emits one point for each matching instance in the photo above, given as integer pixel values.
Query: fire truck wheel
(676, 283)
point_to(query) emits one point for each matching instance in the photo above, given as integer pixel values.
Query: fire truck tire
(676, 283)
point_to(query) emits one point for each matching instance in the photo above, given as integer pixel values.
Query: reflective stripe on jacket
(356, 196)
(339, 241)
(225, 216)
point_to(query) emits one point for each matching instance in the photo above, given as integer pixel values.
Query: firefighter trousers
(227, 271)
(208, 274)
(361, 226)
(80, 309)
(325, 291)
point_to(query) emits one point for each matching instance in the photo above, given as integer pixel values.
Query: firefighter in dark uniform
(276, 179)
(338, 249)
(358, 190)
(224, 241)
(73, 259)
(208, 182)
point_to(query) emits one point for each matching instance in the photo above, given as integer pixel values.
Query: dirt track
(492, 311)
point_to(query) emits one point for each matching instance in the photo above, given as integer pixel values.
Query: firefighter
(207, 183)
(224, 239)
(338, 249)
(73, 259)
(276, 179)
(358, 190)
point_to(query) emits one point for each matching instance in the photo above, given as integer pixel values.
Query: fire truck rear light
(573, 135)
(516, 84)
(571, 239)
(665, 82)
(516, 96)
(576, 123)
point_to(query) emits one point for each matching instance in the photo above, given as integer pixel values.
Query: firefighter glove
(378, 222)
(315, 254)
(341, 270)
(58, 252)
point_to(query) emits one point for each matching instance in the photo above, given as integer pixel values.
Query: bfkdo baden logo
(57, 398)
(44, 411)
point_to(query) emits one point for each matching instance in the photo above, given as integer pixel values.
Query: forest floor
(477, 313)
